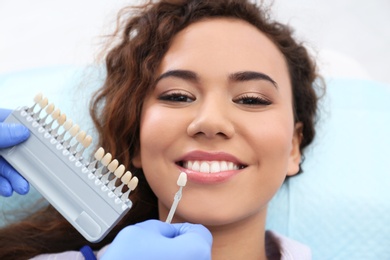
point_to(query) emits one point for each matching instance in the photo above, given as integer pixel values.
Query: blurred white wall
(43, 32)
(350, 37)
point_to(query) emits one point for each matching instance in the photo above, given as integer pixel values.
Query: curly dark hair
(142, 38)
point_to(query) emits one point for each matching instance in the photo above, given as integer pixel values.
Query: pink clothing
(277, 247)
(284, 248)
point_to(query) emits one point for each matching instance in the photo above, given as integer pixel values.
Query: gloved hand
(10, 135)
(154, 239)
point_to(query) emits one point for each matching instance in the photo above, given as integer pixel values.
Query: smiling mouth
(210, 166)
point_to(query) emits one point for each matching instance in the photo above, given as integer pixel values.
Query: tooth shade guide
(81, 138)
(87, 197)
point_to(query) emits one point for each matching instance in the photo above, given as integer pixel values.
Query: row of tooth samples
(109, 173)
(58, 127)
(105, 171)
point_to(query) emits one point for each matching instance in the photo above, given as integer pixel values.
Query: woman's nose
(211, 120)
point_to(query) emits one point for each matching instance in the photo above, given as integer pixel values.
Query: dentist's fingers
(11, 180)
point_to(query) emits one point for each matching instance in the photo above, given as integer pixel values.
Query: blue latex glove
(154, 239)
(10, 135)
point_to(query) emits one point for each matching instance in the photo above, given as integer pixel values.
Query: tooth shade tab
(55, 114)
(68, 124)
(43, 103)
(133, 183)
(119, 171)
(87, 141)
(106, 159)
(61, 120)
(81, 136)
(182, 180)
(113, 165)
(74, 130)
(50, 108)
(126, 177)
(99, 154)
(38, 98)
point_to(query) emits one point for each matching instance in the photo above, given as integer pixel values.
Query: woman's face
(221, 112)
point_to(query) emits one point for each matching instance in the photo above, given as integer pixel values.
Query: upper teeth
(210, 166)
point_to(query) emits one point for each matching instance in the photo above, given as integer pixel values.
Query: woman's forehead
(224, 45)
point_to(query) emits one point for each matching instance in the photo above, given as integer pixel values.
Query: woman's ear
(136, 161)
(295, 154)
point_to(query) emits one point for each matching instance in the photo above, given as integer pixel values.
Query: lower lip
(209, 178)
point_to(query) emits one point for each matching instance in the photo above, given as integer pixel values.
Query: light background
(350, 37)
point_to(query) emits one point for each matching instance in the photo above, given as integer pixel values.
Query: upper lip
(210, 156)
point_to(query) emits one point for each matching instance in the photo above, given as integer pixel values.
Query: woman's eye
(252, 101)
(176, 97)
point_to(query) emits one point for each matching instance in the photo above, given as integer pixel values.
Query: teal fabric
(339, 206)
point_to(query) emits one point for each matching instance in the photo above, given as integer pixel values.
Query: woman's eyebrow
(237, 76)
(251, 75)
(181, 74)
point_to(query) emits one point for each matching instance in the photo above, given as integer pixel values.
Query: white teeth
(204, 167)
(224, 166)
(210, 167)
(215, 167)
(195, 166)
(230, 165)
(189, 165)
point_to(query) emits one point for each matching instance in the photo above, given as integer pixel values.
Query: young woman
(217, 90)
